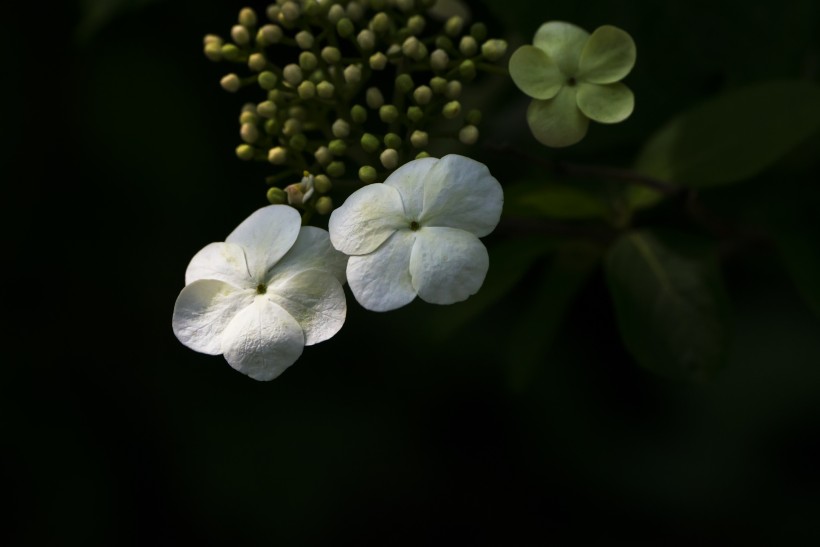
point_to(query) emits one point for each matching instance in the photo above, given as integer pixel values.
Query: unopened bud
(478, 31)
(331, 55)
(443, 42)
(324, 205)
(358, 113)
(272, 127)
(292, 74)
(422, 155)
(493, 50)
(298, 142)
(410, 47)
(391, 140)
(454, 25)
(468, 134)
(438, 84)
(276, 196)
(307, 90)
(415, 24)
(336, 169)
(366, 40)
(378, 61)
(439, 60)
(323, 155)
(257, 62)
(404, 83)
(212, 39)
(266, 109)
(337, 147)
(230, 83)
(248, 116)
(307, 61)
(247, 17)
(344, 27)
(230, 52)
(249, 133)
(240, 35)
(267, 80)
(353, 74)
(473, 117)
(269, 34)
(322, 184)
(423, 95)
(451, 110)
(453, 89)
(415, 114)
(244, 152)
(380, 23)
(340, 128)
(467, 69)
(367, 174)
(277, 155)
(369, 142)
(325, 90)
(304, 39)
(298, 112)
(388, 113)
(419, 139)
(374, 97)
(213, 51)
(355, 11)
(292, 127)
(389, 158)
(290, 11)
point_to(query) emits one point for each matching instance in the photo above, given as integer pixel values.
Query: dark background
(118, 159)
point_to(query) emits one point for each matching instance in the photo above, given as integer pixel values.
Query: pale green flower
(573, 77)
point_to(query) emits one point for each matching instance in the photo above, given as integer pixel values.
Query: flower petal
(409, 181)
(461, 193)
(563, 42)
(608, 56)
(380, 281)
(203, 311)
(558, 122)
(366, 219)
(535, 73)
(611, 103)
(266, 236)
(315, 299)
(223, 261)
(311, 251)
(447, 265)
(262, 340)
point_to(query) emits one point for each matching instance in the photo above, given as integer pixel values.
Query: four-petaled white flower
(270, 289)
(417, 233)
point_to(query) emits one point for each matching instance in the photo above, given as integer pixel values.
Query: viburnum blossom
(417, 233)
(258, 298)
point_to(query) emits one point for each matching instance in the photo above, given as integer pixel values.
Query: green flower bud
(336, 169)
(378, 61)
(374, 97)
(323, 155)
(468, 134)
(366, 40)
(267, 80)
(290, 11)
(337, 147)
(392, 51)
(249, 133)
(307, 61)
(467, 69)
(494, 50)
(304, 39)
(478, 31)
(324, 205)
(230, 52)
(298, 142)
(335, 13)
(439, 60)
(257, 62)
(355, 11)
(367, 174)
(358, 113)
(443, 42)
(345, 28)
(248, 116)
(277, 155)
(421, 155)
(292, 127)
(325, 90)
(213, 51)
(340, 128)
(419, 139)
(307, 90)
(298, 112)
(353, 74)
(230, 83)
(468, 46)
(415, 24)
(212, 39)
(312, 8)
(388, 113)
(273, 11)
(453, 89)
(240, 35)
(247, 17)
(451, 110)
(454, 25)
(423, 95)
(272, 127)
(411, 47)
(269, 34)
(404, 83)
(322, 184)
(380, 23)
(292, 74)
(391, 140)
(331, 55)
(369, 142)
(276, 196)
(244, 152)
(438, 84)
(266, 109)
(275, 96)
(389, 158)
(473, 117)
(415, 114)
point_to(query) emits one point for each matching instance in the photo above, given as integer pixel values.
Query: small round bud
(438, 84)
(247, 17)
(298, 142)
(415, 114)
(308, 61)
(392, 51)
(323, 155)
(272, 127)
(340, 129)
(389, 158)
(467, 69)
(240, 35)
(269, 34)
(355, 11)
(473, 117)
(439, 60)
(307, 90)
(345, 28)
(292, 127)
(325, 90)
(212, 39)
(422, 95)
(404, 83)
(415, 24)
(213, 51)
(367, 174)
(257, 62)
(249, 133)
(378, 61)
(335, 13)
(277, 155)
(380, 23)
(454, 25)
(391, 140)
(443, 42)
(419, 139)
(322, 184)
(353, 74)
(369, 142)
(331, 55)
(451, 110)
(266, 109)
(478, 31)
(337, 147)
(468, 134)
(244, 152)
(324, 205)
(277, 196)
(298, 112)
(453, 89)
(267, 80)
(366, 40)
(292, 74)
(230, 52)
(230, 83)
(388, 113)
(358, 113)
(374, 97)
(290, 11)
(493, 50)
(410, 47)
(273, 11)
(304, 39)
(248, 116)
(468, 46)
(336, 169)
(422, 155)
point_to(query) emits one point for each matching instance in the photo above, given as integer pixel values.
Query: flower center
(261, 288)
(571, 81)
(414, 225)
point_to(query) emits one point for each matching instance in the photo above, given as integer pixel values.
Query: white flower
(417, 233)
(270, 289)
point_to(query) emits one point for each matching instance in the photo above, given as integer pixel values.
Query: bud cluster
(349, 88)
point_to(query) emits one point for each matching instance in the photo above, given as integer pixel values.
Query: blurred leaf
(733, 136)
(559, 201)
(509, 262)
(670, 304)
(540, 323)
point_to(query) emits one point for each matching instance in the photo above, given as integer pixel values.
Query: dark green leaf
(670, 304)
(734, 136)
(559, 201)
